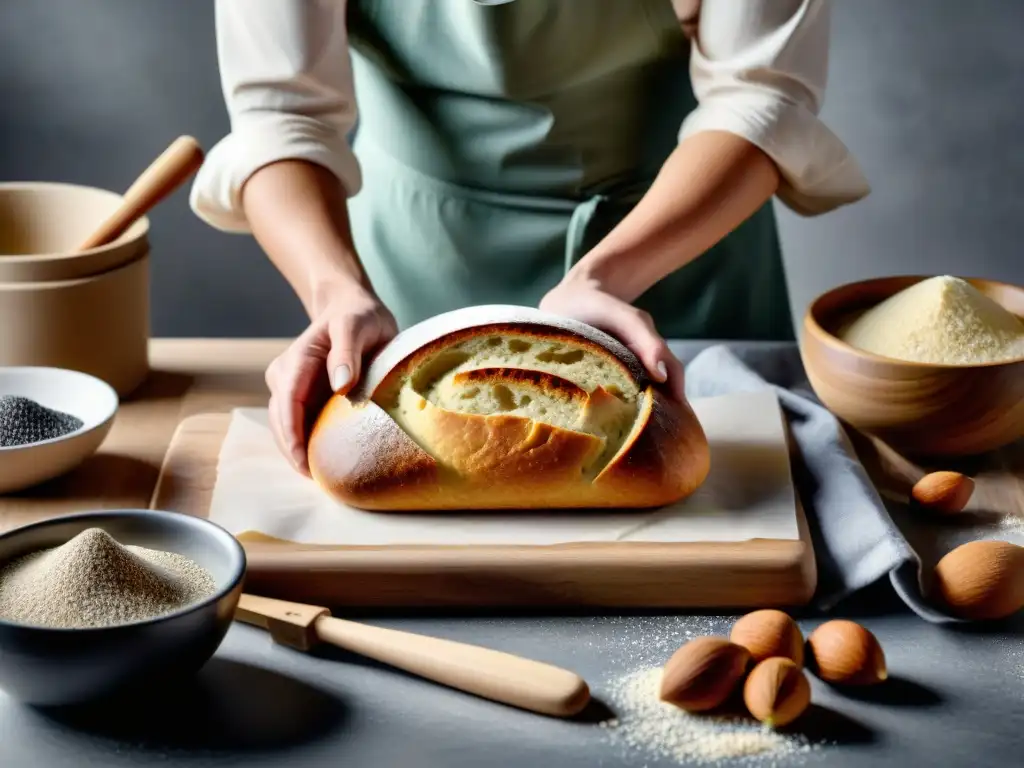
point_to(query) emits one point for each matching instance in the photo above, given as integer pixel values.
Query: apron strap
(618, 204)
(575, 237)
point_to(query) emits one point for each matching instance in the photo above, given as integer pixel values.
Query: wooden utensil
(919, 409)
(164, 175)
(491, 674)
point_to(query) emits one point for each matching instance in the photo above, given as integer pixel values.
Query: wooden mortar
(60, 307)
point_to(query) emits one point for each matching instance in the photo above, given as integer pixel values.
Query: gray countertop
(956, 697)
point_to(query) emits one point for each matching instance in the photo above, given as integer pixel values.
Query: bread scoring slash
(503, 407)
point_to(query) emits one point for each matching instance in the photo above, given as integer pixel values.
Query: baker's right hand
(327, 357)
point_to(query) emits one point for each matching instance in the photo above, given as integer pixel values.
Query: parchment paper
(749, 494)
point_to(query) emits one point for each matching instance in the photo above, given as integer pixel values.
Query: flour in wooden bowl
(942, 320)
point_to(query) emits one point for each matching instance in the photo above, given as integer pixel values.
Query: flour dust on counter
(1015, 654)
(1013, 523)
(644, 726)
(649, 725)
(645, 641)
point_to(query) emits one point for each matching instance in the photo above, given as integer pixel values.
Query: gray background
(927, 93)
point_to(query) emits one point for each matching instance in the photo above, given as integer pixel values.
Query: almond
(945, 492)
(769, 633)
(777, 692)
(982, 580)
(846, 653)
(703, 673)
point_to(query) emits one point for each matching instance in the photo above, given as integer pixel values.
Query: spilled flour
(647, 724)
(645, 727)
(1017, 661)
(1012, 524)
(644, 641)
(642, 731)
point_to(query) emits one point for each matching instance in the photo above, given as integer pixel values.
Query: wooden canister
(85, 311)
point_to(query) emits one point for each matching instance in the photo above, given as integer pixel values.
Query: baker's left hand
(586, 301)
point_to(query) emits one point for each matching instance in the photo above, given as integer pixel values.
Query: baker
(612, 161)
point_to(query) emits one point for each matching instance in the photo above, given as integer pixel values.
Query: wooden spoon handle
(493, 675)
(164, 175)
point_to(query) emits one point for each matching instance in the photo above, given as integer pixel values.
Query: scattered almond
(982, 580)
(777, 692)
(846, 653)
(946, 492)
(769, 633)
(703, 673)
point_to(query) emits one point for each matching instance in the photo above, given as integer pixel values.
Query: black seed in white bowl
(23, 421)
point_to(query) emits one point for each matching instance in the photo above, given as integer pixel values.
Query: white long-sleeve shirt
(758, 69)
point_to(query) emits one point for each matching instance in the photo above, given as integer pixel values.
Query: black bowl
(51, 667)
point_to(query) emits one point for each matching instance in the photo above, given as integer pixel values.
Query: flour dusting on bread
(526, 402)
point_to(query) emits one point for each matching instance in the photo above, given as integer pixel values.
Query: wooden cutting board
(746, 574)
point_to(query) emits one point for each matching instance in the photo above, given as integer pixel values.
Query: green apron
(499, 142)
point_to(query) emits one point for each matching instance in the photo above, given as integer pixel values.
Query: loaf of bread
(503, 407)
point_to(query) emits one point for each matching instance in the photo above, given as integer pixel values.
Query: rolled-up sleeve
(759, 70)
(286, 74)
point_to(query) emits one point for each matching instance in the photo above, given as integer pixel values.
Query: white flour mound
(663, 731)
(943, 320)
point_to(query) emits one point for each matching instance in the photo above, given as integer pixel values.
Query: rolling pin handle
(494, 675)
(291, 624)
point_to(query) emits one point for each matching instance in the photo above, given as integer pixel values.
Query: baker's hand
(585, 301)
(327, 357)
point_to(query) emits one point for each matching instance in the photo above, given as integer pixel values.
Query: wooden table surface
(188, 376)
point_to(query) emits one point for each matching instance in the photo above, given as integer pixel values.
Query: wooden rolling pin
(164, 175)
(490, 674)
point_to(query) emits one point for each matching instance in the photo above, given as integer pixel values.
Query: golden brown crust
(551, 384)
(506, 462)
(413, 454)
(503, 448)
(664, 459)
(360, 455)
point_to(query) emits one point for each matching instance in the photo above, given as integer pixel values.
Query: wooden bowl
(920, 409)
(60, 307)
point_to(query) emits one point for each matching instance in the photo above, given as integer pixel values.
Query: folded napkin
(859, 536)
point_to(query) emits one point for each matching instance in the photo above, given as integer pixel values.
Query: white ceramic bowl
(90, 399)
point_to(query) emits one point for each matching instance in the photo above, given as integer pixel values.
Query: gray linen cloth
(858, 536)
